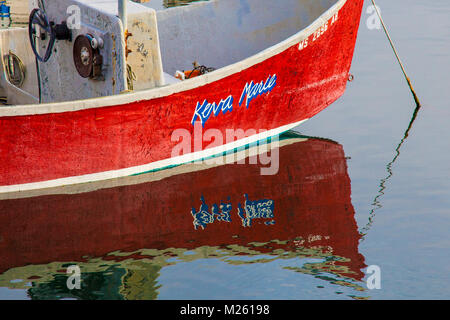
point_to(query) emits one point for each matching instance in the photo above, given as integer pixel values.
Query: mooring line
(376, 204)
(396, 53)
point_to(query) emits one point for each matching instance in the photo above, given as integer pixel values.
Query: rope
(376, 202)
(18, 78)
(416, 99)
(201, 69)
(131, 76)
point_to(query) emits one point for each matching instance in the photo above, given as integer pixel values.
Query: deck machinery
(80, 49)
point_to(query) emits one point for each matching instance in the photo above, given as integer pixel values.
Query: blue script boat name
(206, 109)
(252, 90)
(203, 111)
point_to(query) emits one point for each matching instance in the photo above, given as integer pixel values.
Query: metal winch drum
(86, 56)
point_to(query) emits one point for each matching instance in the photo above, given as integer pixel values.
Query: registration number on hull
(319, 32)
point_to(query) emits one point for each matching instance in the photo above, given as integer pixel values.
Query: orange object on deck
(197, 71)
(183, 75)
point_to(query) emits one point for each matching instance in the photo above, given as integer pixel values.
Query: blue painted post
(5, 14)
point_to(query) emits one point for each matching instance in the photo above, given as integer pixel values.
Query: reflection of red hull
(311, 195)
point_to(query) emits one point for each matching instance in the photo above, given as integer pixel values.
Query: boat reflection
(124, 236)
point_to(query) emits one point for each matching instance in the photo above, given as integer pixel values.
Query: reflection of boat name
(259, 209)
(204, 217)
(310, 239)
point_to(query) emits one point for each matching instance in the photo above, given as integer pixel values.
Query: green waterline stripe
(284, 136)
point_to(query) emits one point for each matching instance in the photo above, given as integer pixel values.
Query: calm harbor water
(360, 177)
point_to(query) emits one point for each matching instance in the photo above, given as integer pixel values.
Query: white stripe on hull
(157, 165)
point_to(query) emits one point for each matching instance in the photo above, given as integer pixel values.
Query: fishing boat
(190, 212)
(95, 89)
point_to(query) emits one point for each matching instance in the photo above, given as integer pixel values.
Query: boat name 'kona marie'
(251, 91)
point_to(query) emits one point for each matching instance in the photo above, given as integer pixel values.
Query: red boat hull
(48, 146)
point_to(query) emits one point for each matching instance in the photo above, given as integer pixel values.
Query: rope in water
(376, 202)
(396, 53)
